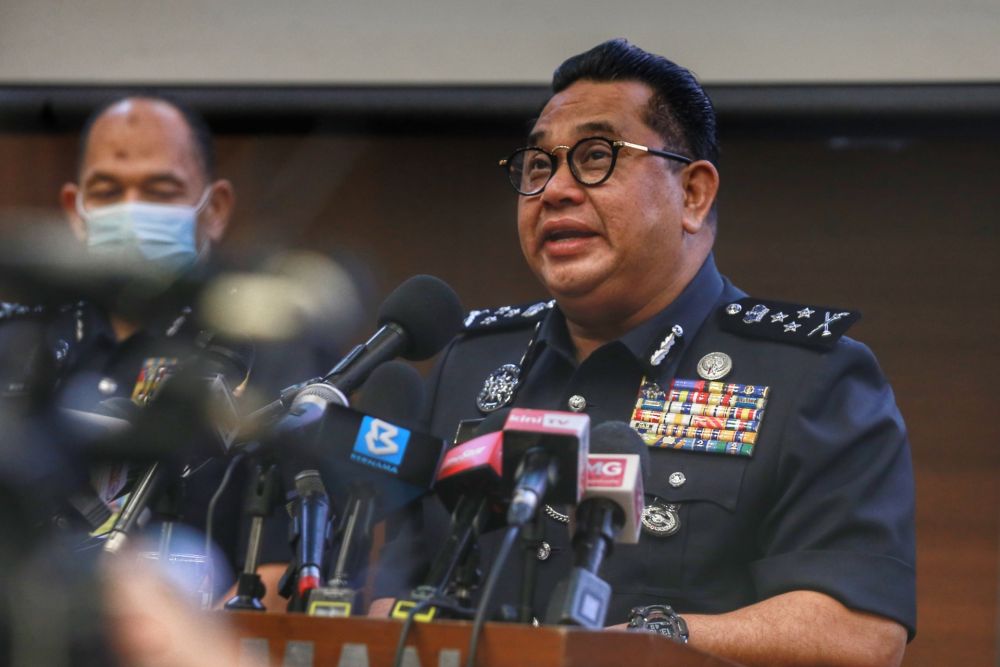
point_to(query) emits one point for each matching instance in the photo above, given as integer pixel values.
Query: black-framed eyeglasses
(591, 161)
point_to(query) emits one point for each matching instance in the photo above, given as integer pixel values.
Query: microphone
(415, 321)
(611, 511)
(547, 449)
(393, 392)
(311, 518)
(470, 484)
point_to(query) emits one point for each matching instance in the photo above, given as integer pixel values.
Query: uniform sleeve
(843, 518)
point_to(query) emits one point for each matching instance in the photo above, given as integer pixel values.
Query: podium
(294, 640)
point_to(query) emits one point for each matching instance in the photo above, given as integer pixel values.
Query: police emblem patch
(715, 365)
(498, 388)
(660, 519)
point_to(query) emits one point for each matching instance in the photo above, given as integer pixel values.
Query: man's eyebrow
(161, 178)
(598, 126)
(601, 126)
(99, 177)
(165, 178)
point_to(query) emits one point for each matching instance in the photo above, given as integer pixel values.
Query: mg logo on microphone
(605, 472)
(380, 444)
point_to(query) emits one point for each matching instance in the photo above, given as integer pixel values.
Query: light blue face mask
(161, 234)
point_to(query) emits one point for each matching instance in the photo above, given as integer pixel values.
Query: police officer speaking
(778, 520)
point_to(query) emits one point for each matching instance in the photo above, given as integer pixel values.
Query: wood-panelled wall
(906, 230)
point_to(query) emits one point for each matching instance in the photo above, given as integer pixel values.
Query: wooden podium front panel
(302, 641)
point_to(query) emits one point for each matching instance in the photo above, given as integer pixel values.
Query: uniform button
(107, 386)
(676, 479)
(577, 403)
(544, 551)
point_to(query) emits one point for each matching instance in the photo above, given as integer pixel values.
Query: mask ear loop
(198, 208)
(80, 210)
(203, 200)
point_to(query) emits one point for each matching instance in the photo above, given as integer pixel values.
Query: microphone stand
(457, 561)
(337, 598)
(531, 540)
(261, 499)
(145, 490)
(168, 506)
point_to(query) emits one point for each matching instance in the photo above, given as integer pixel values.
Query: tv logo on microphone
(606, 472)
(380, 444)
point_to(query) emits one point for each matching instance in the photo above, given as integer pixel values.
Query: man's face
(141, 150)
(615, 245)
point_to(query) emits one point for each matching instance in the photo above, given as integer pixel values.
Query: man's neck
(591, 325)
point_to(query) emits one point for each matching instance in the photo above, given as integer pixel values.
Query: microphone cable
(209, 593)
(491, 583)
(411, 616)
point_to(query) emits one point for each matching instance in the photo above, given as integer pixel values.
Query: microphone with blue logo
(386, 466)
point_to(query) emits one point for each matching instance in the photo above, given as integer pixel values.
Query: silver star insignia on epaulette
(792, 326)
(805, 313)
(471, 317)
(778, 317)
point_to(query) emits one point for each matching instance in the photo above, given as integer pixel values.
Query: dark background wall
(893, 212)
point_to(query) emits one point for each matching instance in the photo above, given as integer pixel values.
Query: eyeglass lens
(591, 161)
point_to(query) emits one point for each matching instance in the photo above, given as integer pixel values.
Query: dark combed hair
(200, 132)
(679, 110)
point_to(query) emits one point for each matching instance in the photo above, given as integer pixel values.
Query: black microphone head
(428, 310)
(617, 437)
(394, 392)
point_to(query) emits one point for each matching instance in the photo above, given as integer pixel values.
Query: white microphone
(611, 511)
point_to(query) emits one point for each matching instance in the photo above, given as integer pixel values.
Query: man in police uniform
(147, 196)
(779, 508)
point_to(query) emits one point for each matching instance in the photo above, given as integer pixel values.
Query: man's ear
(701, 185)
(67, 197)
(215, 217)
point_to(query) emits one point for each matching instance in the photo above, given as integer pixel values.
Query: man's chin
(576, 289)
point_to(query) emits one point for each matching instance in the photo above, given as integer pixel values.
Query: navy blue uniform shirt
(824, 503)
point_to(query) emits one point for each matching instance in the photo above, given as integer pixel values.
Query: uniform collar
(688, 311)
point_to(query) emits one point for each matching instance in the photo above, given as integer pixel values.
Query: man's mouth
(564, 234)
(565, 230)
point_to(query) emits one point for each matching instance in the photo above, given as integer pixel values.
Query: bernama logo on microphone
(380, 445)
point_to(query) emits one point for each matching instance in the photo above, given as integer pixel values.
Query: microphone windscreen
(394, 392)
(429, 312)
(617, 437)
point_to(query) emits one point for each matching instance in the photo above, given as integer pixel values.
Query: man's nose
(562, 188)
(131, 195)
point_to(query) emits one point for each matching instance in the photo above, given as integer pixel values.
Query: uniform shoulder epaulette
(506, 317)
(811, 326)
